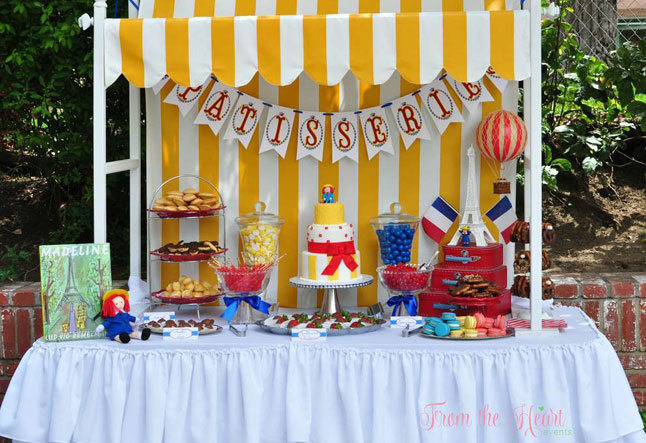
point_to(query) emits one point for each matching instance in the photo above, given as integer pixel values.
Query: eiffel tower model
(472, 216)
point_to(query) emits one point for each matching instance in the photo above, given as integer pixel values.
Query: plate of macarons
(449, 326)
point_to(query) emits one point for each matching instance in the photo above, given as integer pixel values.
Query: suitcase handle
(465, 260)
(442, 306)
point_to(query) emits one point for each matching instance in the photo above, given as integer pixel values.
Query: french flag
(503, 216)
(438, 219)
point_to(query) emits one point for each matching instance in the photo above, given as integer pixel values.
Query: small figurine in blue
(118, 322)
(328, 193)
(465, 239)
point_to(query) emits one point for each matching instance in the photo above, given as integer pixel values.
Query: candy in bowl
(404, 282)
(243, 285)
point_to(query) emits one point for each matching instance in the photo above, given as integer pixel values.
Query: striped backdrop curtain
(290, 188)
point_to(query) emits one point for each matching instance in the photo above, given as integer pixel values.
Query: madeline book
(72, 281)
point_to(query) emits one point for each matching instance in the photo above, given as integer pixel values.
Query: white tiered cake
(331, 254)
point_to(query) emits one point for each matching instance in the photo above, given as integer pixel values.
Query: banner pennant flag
(217, 107)
(438, 219)
(440, 105)
(158, 87)
(503, 216)
(345, 136)
(472, 94)
(185, 97)
(499, 82)
(311, 135)
(376, 131)
(244, 120)
(409, 120)
(278, 130)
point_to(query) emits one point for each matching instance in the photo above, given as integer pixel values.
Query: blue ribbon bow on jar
(408, 301)
(234, 302)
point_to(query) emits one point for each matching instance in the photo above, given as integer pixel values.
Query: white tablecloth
(376, 387)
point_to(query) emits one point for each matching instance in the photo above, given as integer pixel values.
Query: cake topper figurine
(118, 322)
(465, 233)
(328, 193)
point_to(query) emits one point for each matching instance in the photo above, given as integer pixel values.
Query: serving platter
(330, 332)
(185, 300)
(510, 333)
(206, 331)
(201, 256)
(187, 214)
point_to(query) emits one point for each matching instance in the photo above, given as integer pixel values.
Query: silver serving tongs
(408, 331)
(376, 310)
(425, 266)
(238, 331)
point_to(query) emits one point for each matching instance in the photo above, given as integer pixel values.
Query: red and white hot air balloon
(501, 136)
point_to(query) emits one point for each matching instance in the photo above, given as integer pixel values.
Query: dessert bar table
(375, 387)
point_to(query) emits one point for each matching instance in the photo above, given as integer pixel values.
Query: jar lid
(395, 216)
(259, 216)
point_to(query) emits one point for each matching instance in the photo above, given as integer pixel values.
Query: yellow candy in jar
(259, 243)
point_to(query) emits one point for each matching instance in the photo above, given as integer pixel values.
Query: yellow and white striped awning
(326, 47)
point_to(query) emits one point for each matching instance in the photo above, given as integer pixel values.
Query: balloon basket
(501, 186)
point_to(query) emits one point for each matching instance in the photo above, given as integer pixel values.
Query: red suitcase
(474, 257)
(433, 303)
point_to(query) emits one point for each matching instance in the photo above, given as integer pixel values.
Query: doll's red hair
(109, 309)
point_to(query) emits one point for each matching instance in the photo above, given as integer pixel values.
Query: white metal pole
(535, 162)
(135, 174)
(100, 216)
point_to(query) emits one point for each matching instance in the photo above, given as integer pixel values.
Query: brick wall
(616, 302)
(21, 325)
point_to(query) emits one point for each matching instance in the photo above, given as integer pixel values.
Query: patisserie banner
(238, 116)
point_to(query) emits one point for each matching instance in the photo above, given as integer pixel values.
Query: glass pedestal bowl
(404, 282)
(242, 286)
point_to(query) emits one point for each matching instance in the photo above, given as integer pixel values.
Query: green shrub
(589, 108)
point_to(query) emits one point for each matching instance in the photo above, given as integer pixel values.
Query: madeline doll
(328, 194)
(466, 236)
(118, 322)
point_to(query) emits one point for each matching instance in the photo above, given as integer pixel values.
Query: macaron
(471, 333)
(448, 316)
(457, 333)
(500, 322)
(442, 330)
(488, 322)
(479, 319)
(428, 330)
(482, 333)
(460, 318)
(495, 332)
(454, 327)
(433, 321)
(470, 322)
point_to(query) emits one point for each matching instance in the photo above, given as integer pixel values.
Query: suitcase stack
(486, 261)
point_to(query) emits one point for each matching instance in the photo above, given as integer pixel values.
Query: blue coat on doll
(118, 324)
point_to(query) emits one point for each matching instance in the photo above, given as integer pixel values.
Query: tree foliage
(590, 109)
(46, 112)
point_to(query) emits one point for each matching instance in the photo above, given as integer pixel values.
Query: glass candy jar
(395, 232)
(259, 232)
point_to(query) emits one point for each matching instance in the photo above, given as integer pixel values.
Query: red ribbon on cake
(340, 252)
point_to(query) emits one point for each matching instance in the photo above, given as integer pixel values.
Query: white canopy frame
(533, 155)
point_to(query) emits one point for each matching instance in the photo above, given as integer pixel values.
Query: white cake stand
(330, 303)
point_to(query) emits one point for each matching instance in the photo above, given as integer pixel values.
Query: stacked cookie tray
(522, 263)
(200, 202)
